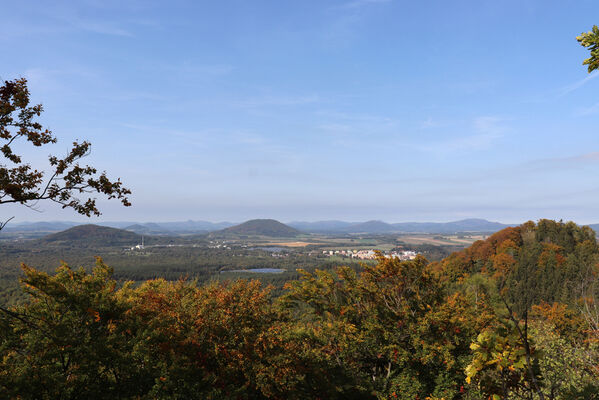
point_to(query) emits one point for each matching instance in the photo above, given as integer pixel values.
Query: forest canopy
(509, 317)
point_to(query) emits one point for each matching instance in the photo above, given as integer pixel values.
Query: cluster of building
(138, 246)
(371, 254)
(219, 245)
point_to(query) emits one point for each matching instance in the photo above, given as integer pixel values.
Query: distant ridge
(261, 227)
(193, 226)
(146, 229)
(464, 225)
(371, 227)
(172, 228)
(320, 226)
(91, 235)
(39, 226)
(380, 227)
(38, 229)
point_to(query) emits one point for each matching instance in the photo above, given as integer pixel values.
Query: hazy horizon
(318, 110)
(107, 222)
(52, 213)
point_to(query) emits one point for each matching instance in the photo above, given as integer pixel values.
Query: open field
(453, 240)
(291, 244)
(378, 242)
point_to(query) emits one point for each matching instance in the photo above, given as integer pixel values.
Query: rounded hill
(261, 227)
(93, 235)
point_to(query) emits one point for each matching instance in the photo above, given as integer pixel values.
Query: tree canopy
(590, 40)
(505, 319)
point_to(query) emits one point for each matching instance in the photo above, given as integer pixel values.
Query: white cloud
(347, 19)
(363, 3)
(187, 70)
(358, 131)
(568, 160)
(262, 101)
(487, 130)
(99, 27)
(429, 123)
(44, 80)
(577, 85)
(594, 109)
(488, 125)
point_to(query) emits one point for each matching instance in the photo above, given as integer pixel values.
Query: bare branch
(3, 224)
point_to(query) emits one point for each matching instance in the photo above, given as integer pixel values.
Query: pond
(259, 270)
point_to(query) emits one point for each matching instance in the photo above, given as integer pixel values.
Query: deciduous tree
(64, 180)
(590, 40)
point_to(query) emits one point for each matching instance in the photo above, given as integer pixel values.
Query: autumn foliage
(507, 318)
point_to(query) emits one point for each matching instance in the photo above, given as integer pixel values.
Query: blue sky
(311, 110)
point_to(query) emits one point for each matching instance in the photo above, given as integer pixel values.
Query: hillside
(465, 225)
(320, 226)
(371, 227)
(261, 227)
(147, 229)
(177, 228)
(40, 226)
(536, 262)
(380, 227)
(194, 226)
(92, 235)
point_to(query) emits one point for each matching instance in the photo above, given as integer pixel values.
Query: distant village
(371, 254)
(278, 252)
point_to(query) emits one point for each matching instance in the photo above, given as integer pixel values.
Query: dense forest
(194, 257)
(200, 264)
(512, 317)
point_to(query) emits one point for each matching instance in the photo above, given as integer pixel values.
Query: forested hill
(537, 262)
(261, 227)
(90, 234)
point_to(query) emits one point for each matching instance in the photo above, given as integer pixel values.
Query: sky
(317, 110)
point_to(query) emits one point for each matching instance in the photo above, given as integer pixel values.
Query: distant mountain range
(176, 228)
(321, 226)
(38, 229)
(149, 228)
(466, 225)
(88, 234)
(39, 226)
